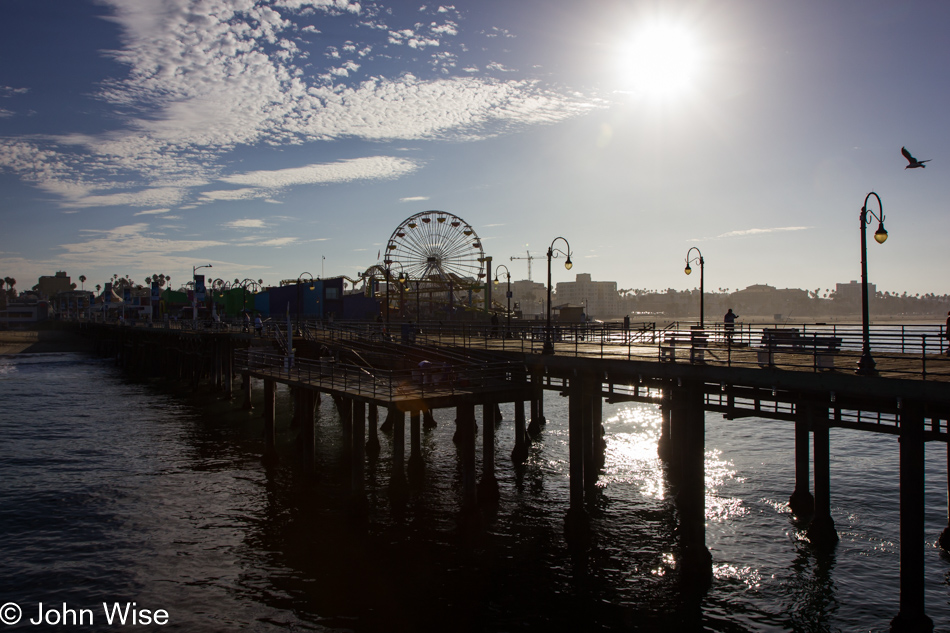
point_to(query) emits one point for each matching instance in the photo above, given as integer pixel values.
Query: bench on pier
(822, 348)
(694, 341)
(782, 339)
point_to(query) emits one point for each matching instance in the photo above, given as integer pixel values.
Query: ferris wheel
(436, 247)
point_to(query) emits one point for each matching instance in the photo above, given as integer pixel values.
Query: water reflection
(812, 594)
(175, 506)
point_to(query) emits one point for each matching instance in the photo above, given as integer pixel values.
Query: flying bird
(914, 163)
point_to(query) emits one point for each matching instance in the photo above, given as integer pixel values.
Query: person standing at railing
(259, 326)
(730, 323)
(946, 333)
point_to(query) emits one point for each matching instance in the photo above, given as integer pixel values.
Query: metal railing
(425, 380)
(906, 351)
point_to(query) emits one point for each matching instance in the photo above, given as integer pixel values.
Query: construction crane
(529, 258)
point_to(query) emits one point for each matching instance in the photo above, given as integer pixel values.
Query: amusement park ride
(437, 255)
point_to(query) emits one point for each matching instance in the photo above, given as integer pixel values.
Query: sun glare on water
(661, 60)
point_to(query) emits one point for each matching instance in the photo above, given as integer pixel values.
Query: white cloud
(748, 232)
(245, 224)
(340, 5)
(131, 246)
(414, 199)
(207, 77)
(375, 167)
(779, 229)
(277, 241)
(247, 193)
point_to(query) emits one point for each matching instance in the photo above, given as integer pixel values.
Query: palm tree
(82, 282)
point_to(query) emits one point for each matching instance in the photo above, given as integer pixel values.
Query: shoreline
(13, 342)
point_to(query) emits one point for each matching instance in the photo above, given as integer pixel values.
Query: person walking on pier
(259, 326)
(730, 322)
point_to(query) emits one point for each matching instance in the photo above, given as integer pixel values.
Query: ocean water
(121, 492)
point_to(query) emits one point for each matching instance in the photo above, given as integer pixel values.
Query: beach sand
(41, 342)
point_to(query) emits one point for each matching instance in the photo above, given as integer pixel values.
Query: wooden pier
(364, 371)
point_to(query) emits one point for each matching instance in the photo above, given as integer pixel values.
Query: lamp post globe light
(866, 362)
(507, 294)
(688, 270)
(552, 253)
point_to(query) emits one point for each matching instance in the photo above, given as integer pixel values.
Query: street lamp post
(507, 294)
(194, 299)
(688, 270)
(388, 274)
(403, 280)
(552, 253)
(300, 296)
(866, 362)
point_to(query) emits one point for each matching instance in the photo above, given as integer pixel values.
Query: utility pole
(529, 258)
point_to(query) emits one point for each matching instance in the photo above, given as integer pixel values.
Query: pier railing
(904, 351)
(425, 380)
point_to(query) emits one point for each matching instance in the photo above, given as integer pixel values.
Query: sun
(661, 60)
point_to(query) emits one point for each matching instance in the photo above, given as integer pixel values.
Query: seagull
(914, 163)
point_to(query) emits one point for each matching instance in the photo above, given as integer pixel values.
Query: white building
(599, 298)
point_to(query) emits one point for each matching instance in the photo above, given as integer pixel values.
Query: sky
(269, 138)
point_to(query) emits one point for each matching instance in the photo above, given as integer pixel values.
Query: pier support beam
(397, 478)
(664, 448)
(372, 444)
(520, 452)
(802, 503)
(270, 419)
(944, 540)
(228, 361)
(600, 433)
(577, 522)
(345, 409)
(415, 466)
(358, 455)
(688, 424)
(590, 386)
(488, 487)
(216, 365)
(465, 420)
(246, 388)
(387, 425)
(307, 436)
(911, 617)
(821, 531)
(537, 404)
(428, 420)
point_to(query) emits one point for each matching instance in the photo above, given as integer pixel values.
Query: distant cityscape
(57, 296)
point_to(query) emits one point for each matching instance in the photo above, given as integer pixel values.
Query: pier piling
(821, 531)
(270, 419)
(488, 487)
(577, 522)
(911, 617)
(802, 503)
(520, 451)
(415, 466)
